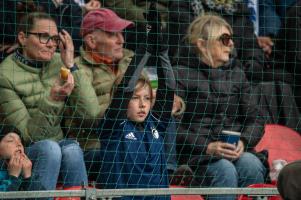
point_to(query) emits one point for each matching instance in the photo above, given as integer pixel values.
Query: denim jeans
(245, 171)
(56, 160)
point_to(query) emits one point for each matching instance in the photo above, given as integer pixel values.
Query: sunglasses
(44, 38)
(225, 39)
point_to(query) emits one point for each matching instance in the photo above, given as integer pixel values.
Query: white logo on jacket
(155, 133)
(131, 136)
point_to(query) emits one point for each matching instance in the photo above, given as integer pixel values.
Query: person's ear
(22, 38)
(201, 46)
(90, 41)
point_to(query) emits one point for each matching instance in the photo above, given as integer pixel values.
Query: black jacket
(216, 99)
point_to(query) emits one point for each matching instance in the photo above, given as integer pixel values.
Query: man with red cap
(105, 61)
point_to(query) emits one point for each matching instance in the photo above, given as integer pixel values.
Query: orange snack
(64, 73)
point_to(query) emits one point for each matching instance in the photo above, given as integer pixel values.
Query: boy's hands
(18, 163)
(14, 165)
(155, 42)
(26, 166)
(92, 5)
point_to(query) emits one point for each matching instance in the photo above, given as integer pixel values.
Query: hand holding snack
(60, 90)
(64, 72)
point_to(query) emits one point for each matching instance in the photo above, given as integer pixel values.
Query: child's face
(9, 145)
(139, 104)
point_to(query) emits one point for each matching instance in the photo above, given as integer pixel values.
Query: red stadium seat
(70, 198)
(185, 197)
(246, 197)
(281, 143)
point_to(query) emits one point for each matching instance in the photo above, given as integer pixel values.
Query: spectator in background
(104, 61)
(12, 11)
(271, 14)
(135, 11)
(33, 99)
(217, 98)
(89, 5)
(289, 181)
(68, 15)
(288, 48)
(16, 168)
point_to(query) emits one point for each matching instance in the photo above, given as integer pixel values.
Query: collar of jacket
(95, 59)
(101, 59)
(53, 64)
(32, 63)
(188, 57)
(128, 54)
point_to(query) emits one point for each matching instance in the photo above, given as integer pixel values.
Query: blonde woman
(216, 92)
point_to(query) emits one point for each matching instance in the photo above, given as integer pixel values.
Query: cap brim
(118, 25)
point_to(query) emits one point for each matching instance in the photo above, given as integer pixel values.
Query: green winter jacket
(102, 79)
(25, 103)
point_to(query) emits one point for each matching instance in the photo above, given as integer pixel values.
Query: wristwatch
(73, 68)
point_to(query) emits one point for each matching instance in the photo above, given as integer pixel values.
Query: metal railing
(108, 194)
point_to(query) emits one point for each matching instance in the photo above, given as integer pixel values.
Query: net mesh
(254, 96)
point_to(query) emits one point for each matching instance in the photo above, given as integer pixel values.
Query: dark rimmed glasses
(44, 38)
(225, 39)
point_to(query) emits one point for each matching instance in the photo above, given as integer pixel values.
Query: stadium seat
(182, 176)
(246, 197)
(185, 197)
(70, 198)
(281, 142)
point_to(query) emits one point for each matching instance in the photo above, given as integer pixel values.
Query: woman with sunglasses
(216, 92)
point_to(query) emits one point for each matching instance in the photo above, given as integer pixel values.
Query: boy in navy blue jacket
(131, 132)
(16, 165)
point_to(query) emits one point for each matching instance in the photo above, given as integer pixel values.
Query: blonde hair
(203, 27)
(144, 82)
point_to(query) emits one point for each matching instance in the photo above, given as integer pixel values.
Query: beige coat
(102, 79)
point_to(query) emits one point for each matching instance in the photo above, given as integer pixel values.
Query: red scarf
(104, 59)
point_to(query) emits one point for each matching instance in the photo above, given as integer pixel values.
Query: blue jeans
(245, 171)
(56, 160)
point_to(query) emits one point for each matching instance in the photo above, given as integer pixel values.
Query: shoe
(182, 176)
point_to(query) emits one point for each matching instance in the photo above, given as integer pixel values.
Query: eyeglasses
(44, 38)
(225, 39)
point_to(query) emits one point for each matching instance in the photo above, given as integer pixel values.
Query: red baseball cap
(103, 19)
